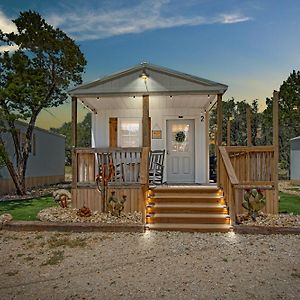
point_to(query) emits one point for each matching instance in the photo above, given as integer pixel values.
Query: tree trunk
(18, 172)
(12, 171)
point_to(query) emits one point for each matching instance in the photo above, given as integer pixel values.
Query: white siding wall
(295, 164)
(159, 117)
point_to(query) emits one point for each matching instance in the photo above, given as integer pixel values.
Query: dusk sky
(251, 46)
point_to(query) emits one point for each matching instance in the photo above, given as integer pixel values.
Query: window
(129, 133)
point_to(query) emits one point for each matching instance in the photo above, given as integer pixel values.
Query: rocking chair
(156, 166)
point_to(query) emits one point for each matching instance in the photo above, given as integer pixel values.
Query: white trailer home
(147, 108)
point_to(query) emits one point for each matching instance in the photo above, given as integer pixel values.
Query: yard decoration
(106, 172)
(116, 206)
(84, 212)
(180, 136)
(253, 201)
(63, 197)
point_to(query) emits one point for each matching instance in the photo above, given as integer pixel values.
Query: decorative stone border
(247, 229)
(97, 227)
(71, 227)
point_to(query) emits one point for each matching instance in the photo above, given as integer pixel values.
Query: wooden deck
(184, 207)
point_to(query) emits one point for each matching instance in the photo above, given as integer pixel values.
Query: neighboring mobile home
(46, 161)
(295, 159)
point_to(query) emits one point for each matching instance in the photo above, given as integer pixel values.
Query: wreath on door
(180, 137)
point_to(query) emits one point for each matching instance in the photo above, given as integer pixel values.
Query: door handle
(167, 152)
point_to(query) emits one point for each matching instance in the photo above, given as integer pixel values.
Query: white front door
(180, 151)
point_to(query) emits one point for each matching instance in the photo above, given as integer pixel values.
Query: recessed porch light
(144, 75)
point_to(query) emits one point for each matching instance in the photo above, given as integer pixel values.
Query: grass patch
(55, 259)
(289, 203)
(55, 242)
(26, 210)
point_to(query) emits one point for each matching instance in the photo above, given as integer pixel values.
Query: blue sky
(250, 45)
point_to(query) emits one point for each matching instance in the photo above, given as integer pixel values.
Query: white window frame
(135, 120)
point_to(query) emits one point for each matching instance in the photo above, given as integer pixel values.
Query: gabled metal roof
(161, 81)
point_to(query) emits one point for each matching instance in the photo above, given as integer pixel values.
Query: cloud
(86, 24)
(233, 18)
(6, 25)
(9, 48)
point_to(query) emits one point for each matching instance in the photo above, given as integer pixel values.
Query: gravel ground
(153, 265)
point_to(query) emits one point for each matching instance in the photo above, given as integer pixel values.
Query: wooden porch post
(74, 145)
(228, 132)
(219, 133)
(146, 122)
(276, 146)
(145, 153)
(249, 134)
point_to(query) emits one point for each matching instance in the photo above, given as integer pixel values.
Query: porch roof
(160, 81)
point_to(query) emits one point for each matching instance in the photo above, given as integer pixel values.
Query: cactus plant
(253, 201)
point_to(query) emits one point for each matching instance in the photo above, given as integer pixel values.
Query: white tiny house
(148, 108)
(178, 104)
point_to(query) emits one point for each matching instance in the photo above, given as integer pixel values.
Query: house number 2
(202, 118)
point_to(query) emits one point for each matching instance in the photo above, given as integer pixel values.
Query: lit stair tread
(188, 205)
(183, 215)
(188, 226)
(184, 196)
(186, 187)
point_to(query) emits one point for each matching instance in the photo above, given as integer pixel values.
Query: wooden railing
(242, 168)
(253, 164)
(127, 164)
(228, 180)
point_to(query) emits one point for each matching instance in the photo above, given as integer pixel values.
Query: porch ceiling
(98, 104)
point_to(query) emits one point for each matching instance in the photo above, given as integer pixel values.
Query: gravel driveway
(153, 265)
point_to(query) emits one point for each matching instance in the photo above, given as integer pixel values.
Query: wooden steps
(190, 227)
(187, 208)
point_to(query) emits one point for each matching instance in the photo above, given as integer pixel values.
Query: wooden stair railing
(243, 167)
(228, 180)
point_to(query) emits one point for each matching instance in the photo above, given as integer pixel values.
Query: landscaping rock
(36, 192)
(280, 220)
(5, 218)
(286, 187)
(69, 215)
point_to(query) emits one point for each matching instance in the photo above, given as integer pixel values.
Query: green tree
(235, 111)
(34, 77)
(83, 135)
(289, 117)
